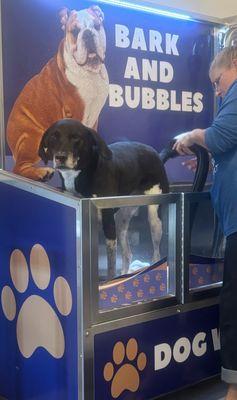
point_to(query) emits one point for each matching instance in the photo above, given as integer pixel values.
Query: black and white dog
(89, 167)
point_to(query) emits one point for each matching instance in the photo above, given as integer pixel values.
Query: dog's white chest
(93, 89)
(69, 179)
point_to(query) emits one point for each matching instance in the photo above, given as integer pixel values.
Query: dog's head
(72, 146)
(85, 36)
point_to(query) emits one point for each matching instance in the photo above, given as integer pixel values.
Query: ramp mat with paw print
(150, 283)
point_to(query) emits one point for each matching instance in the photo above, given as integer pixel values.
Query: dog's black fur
(119, 169)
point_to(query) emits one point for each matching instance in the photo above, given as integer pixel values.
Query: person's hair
(224, 58)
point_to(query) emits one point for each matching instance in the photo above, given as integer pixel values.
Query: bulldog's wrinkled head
(85, 38)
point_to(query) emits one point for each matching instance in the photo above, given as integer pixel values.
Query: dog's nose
(89, 41)
(60, 159)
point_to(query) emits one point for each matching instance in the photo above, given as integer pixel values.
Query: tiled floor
(212, 389)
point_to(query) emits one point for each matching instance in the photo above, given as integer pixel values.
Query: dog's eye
(75, 31)
(97, 26)
(54, 138)
(76, 141)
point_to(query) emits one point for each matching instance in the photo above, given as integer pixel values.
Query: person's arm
(221, 136)
(187, 139)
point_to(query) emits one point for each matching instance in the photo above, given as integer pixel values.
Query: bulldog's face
(85, 36)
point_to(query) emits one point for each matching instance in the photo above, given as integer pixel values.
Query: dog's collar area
(63, 168)
(69, 177)
(68, 171)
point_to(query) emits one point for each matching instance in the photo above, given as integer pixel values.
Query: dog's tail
(202, 163)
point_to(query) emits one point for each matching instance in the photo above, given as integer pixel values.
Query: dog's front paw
(42, 174)
(47, 174)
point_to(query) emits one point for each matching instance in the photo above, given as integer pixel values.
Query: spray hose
(202, 163)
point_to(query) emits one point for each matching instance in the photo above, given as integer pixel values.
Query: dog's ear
(103, 150)
(63, 14)
(97, 13)
(43, 151)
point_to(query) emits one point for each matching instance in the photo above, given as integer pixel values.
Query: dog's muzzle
(89, 41)
(64, 161)
(60, 161)
(93, 58)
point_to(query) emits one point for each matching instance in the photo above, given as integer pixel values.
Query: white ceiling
(223, 10)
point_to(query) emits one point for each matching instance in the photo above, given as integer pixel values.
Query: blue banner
(153, 83)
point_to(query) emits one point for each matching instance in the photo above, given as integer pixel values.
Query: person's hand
(183, 143)
(191, 164)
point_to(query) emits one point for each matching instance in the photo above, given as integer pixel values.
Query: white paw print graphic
(37, 322)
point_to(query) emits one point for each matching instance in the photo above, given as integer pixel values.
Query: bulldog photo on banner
(73, 84)
(126, 76)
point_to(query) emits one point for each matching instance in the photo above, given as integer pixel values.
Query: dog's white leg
(111, 249)
(155, 223)
(156, 230)
(122, 219)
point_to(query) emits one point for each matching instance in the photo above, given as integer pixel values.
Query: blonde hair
(224, 58)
